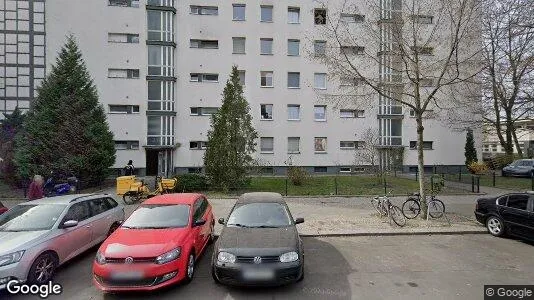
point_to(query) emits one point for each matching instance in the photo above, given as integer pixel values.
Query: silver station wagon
(38, 236)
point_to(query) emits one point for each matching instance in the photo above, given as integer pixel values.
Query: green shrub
(191, 183)
(297, 175)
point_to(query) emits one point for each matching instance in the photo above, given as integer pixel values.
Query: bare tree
(409, 54)
(509, 67)
(367, 153)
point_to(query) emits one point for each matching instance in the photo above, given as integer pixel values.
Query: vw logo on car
(257, 260)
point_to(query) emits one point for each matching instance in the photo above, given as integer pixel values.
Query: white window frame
(272, 13)
(293, 87)
(315, 113)
(293, 105)
(271, 40)
(244, 6)
(265, 74)
(293, 9)
(272, 111)
(294, 41)
(263, 138)
(325, 146)
(294, 138)
(234, 40)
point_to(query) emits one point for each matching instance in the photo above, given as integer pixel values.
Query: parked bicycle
(411, 208)
(384, 207)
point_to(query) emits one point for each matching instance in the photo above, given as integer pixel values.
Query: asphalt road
(392, 267)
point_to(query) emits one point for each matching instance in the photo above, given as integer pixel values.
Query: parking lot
(383, 267)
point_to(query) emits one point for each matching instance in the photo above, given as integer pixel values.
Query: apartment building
(160, 67)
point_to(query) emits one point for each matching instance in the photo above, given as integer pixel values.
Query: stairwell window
(204, 10)
(204, 44)
(200, 77)
(427, 145)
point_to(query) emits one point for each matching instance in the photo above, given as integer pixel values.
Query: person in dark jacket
(129, 169)
(36, 190)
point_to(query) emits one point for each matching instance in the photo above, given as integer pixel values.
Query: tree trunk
(421, 164)
(516, 142)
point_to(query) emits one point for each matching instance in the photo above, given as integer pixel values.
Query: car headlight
(289, 257)
(11, 258)
(168, 256)
(226, 257)
(100, 258)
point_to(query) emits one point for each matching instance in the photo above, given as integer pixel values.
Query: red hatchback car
(157, 245)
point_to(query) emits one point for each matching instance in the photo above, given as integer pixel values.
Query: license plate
(127, 275)
(263, 274)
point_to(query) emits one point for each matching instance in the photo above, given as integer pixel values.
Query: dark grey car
(520, 167)
(259, 244)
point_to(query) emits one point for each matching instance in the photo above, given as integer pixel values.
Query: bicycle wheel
(395, 213)
(411, 208)
(436, 208)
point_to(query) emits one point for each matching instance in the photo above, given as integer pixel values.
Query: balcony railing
(165, 3)
(160, 140)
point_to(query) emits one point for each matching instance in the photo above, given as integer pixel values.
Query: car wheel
(43, 269)
(212, 234)
(495, 226)
(215, 279)
(190, 268)
(113, 228)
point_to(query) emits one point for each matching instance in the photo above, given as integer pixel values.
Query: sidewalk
(354, 216)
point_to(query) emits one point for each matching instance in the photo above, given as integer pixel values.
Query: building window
(160, 60)
(266, 145)
(320, 144)
(320, 169)
(320, 81)
(124, 3)
(350, 81)
(160, 130)
(293, 47)
(204, 10)
(198, 145)
(238, 45)
(123, 109)
(200, 77)
(352, 50)
(238, 12)
(422, 50)
(352, 18)
(422, 19)
(319, 48)
(266, 46)
(204, 44)
(344, 170)
(266, 111)
(293, 145)
(267, 171)
(241, 77)
(123, 38)
(203, 111)
(123, 73)
(160, 26)
(293, 15)
(293, 112)
(319, 112)
(351, 113)
(319, 15)
(194, 170)
(350, 145)
(293, 80)
(167, 3)
(266, 13)
(161, 95)
(427, 145)
(266, 78)
(126, 145)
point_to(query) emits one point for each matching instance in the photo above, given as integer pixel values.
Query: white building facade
(160, 67)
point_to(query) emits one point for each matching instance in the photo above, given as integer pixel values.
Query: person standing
(129, 169)
(36, 188)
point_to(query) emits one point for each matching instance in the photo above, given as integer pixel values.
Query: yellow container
(124, 183)
(169, 183)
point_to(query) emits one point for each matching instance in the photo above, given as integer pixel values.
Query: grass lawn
(326, 185)
(513, 183)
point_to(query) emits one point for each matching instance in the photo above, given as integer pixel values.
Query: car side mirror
(70, 224)
(199, 223)
(299, 220)
(221, 221)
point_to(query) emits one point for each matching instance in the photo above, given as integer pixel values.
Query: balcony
(165, 141)
(161, 5)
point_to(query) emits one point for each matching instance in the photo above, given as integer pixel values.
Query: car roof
(260, 197)
(179, 198)
(65, 199)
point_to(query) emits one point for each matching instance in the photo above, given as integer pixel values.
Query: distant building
(491, 145)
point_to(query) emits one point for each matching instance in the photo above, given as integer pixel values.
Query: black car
(520, 167)
(510, 213)
(259, 244)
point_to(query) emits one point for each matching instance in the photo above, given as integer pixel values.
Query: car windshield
(259, 215)
(158, 216)
(31, 217)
